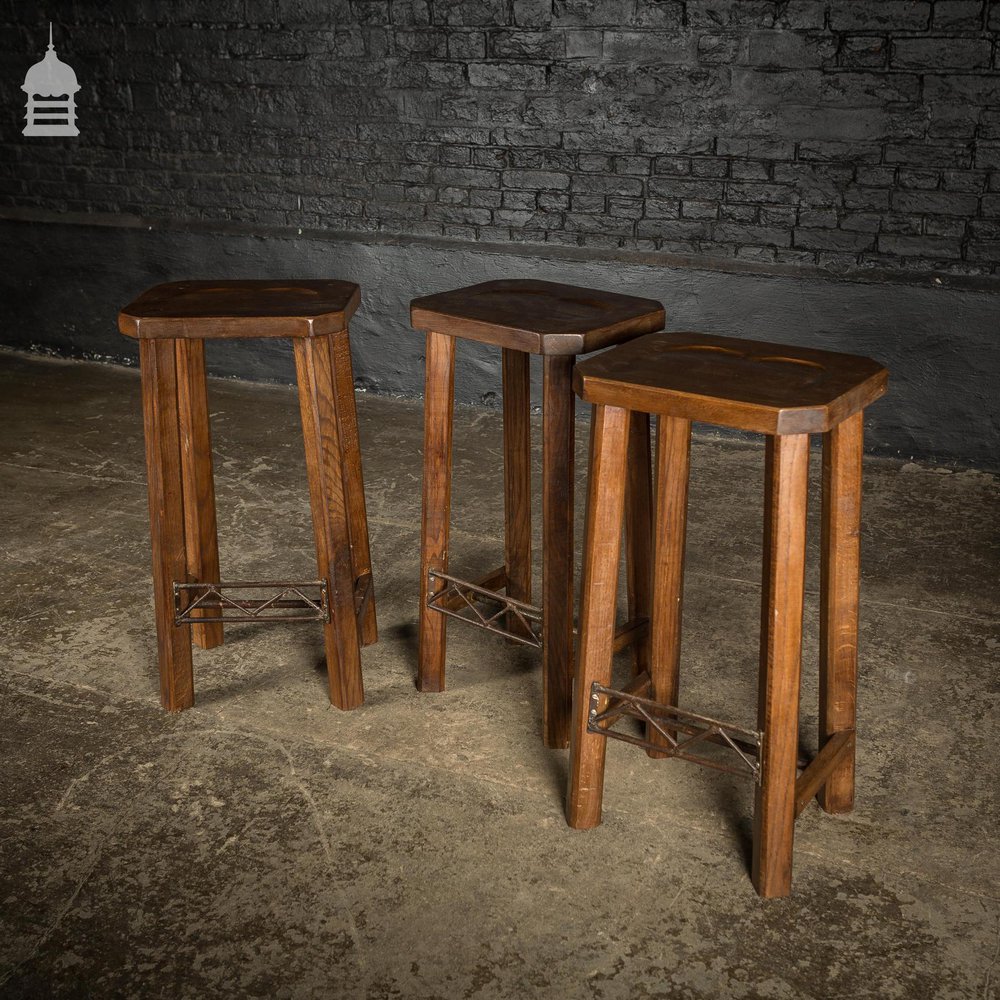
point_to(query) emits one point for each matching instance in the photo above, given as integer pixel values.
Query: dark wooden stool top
(208, 309)
(538, 317)
(745, 384)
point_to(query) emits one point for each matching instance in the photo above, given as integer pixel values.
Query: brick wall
(843, 133)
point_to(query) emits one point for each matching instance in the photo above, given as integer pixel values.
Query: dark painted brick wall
(847, 133)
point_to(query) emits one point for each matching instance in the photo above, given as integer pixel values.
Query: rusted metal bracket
(680, 732)
(288, 601)
(485, 608)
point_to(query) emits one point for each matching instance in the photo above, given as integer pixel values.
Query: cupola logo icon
(51, 85)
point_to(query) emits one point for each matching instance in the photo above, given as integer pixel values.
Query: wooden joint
(630, 633)
(814, 776)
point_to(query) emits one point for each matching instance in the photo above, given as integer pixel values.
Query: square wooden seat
(538, 317)
(172, 322)
(745, 384)
(206, 310)
(786, 393)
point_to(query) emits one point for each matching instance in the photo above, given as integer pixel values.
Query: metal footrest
(486, 608)
(680, 732)
(275, 601)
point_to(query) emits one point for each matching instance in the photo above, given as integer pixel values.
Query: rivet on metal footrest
(679, 731)
(485, 608)
(275, 601)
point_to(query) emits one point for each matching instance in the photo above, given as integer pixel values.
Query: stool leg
(158, 367)
(439, 401)
(673, 451)
(780, 660)
(517, 475)
(638, 534)
(558, 446)
(598, 599)
(200, 532)
(327, 497)
(840, 585)
(354, 482)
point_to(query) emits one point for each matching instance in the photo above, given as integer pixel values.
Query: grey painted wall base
(62, 286)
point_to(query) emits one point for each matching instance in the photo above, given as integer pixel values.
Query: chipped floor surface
(264, 844)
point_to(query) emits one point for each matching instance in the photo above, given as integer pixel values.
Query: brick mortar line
(661, 259)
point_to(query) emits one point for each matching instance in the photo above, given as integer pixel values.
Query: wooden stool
(786, 393)
(172, 322)
(522, 317)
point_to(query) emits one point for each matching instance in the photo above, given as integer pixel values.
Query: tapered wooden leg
(517, 475)
(439, 400)
(780, 661)
(200, 532)
(840, 587)
(158, 365)
(354, 483)
(673, 462)
(328, 501)
(598, 598)
(558, 403)
(639, 532)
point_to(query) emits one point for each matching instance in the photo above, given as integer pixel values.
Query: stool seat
(205, 310)
(747, 385)
(538, 317)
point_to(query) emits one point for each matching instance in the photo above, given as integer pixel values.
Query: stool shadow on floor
(267, 680)
(735, 806)
(406, 634)
(272, 672)
(557, 768)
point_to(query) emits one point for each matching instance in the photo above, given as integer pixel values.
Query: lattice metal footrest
(680, 731)
(486, 608)
(276, 601)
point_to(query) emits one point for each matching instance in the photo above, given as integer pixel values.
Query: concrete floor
(264, 844)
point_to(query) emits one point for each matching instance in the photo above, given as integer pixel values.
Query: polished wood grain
(598, 599)
(540, 317)
(328, 500)
(354, 483)
(840, 583)
(786, 488)
(200, 531)
(439, 401)
(158, 369)
(748, 385)
(639, 535)
(517, 476)
(673, 450)
(558, 460)
(225, 308)
(631, 632)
